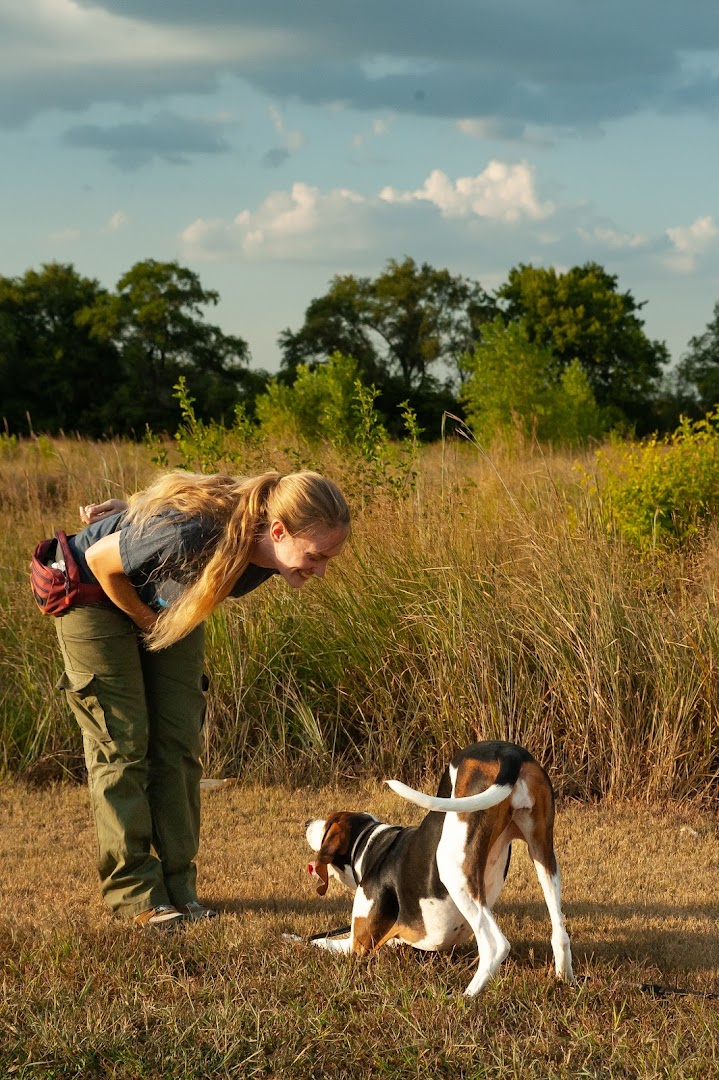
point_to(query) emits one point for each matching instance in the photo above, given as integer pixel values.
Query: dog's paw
(291, 937)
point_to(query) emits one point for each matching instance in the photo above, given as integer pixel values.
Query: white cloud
(503, 129)
(481, 224)
(690, 241)
(301, 223)
(292, 141)
(308, 223)
(475, 128)
(504, 192)
(613, 239)
(117, 221)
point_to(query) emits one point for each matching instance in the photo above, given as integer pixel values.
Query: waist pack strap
(71, 568)
(86, 593)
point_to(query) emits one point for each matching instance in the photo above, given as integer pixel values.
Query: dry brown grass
(86, 996)
(490, 604)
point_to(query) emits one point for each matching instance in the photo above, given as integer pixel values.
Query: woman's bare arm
(103, 558)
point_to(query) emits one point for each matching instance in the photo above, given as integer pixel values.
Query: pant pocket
(85, 704)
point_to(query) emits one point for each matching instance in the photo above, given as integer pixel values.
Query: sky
(270, 144)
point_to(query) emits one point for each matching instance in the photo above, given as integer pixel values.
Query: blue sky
(269, 144)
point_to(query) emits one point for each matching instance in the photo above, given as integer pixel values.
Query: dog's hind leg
(550, 880)
(497, 866)
(492, 945)
(538, 834)
(534, 818)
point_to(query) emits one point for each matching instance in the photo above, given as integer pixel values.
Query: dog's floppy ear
(318, 871)
(336, 842)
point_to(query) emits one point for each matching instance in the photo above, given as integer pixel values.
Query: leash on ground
(657, 990)
(330, 933)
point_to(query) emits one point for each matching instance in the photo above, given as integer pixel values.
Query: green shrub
(8, 445)
(320, 404)
(205, 446)
(329, 407)
(574, 416)
(663, 492)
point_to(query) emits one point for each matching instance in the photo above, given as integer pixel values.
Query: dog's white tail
(497, 793)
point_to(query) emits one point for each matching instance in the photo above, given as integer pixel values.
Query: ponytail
(242, 508)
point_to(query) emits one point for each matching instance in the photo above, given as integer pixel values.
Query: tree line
(562, 355)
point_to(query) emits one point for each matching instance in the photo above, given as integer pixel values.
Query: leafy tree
(156, 322)
(399, 327)
(575, 417)
(334, 323)
(581, 315)
(50, 366)
(423, 315)
(513, 384)
(698, 369)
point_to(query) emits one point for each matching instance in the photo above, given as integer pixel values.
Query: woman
(134, 666)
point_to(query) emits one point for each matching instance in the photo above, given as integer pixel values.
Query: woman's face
(298, 558)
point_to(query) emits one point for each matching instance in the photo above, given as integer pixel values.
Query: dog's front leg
(371, 928)
(331, 944)
(338, 944)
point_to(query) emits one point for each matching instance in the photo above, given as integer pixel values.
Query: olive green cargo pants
(141, 715)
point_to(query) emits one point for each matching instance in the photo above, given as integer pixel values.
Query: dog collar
(367, 828)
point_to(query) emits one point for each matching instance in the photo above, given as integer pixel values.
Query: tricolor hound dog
(434, 885)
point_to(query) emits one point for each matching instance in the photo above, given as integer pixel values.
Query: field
(488, 598)
(479, 597)
(84, 996)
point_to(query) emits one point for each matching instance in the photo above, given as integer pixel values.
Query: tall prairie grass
(490, 601)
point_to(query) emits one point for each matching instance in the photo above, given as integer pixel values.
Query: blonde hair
(241, 508)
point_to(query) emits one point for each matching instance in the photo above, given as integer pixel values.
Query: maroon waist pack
(55, 578)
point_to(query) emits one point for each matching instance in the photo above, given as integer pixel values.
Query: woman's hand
(97, 511)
